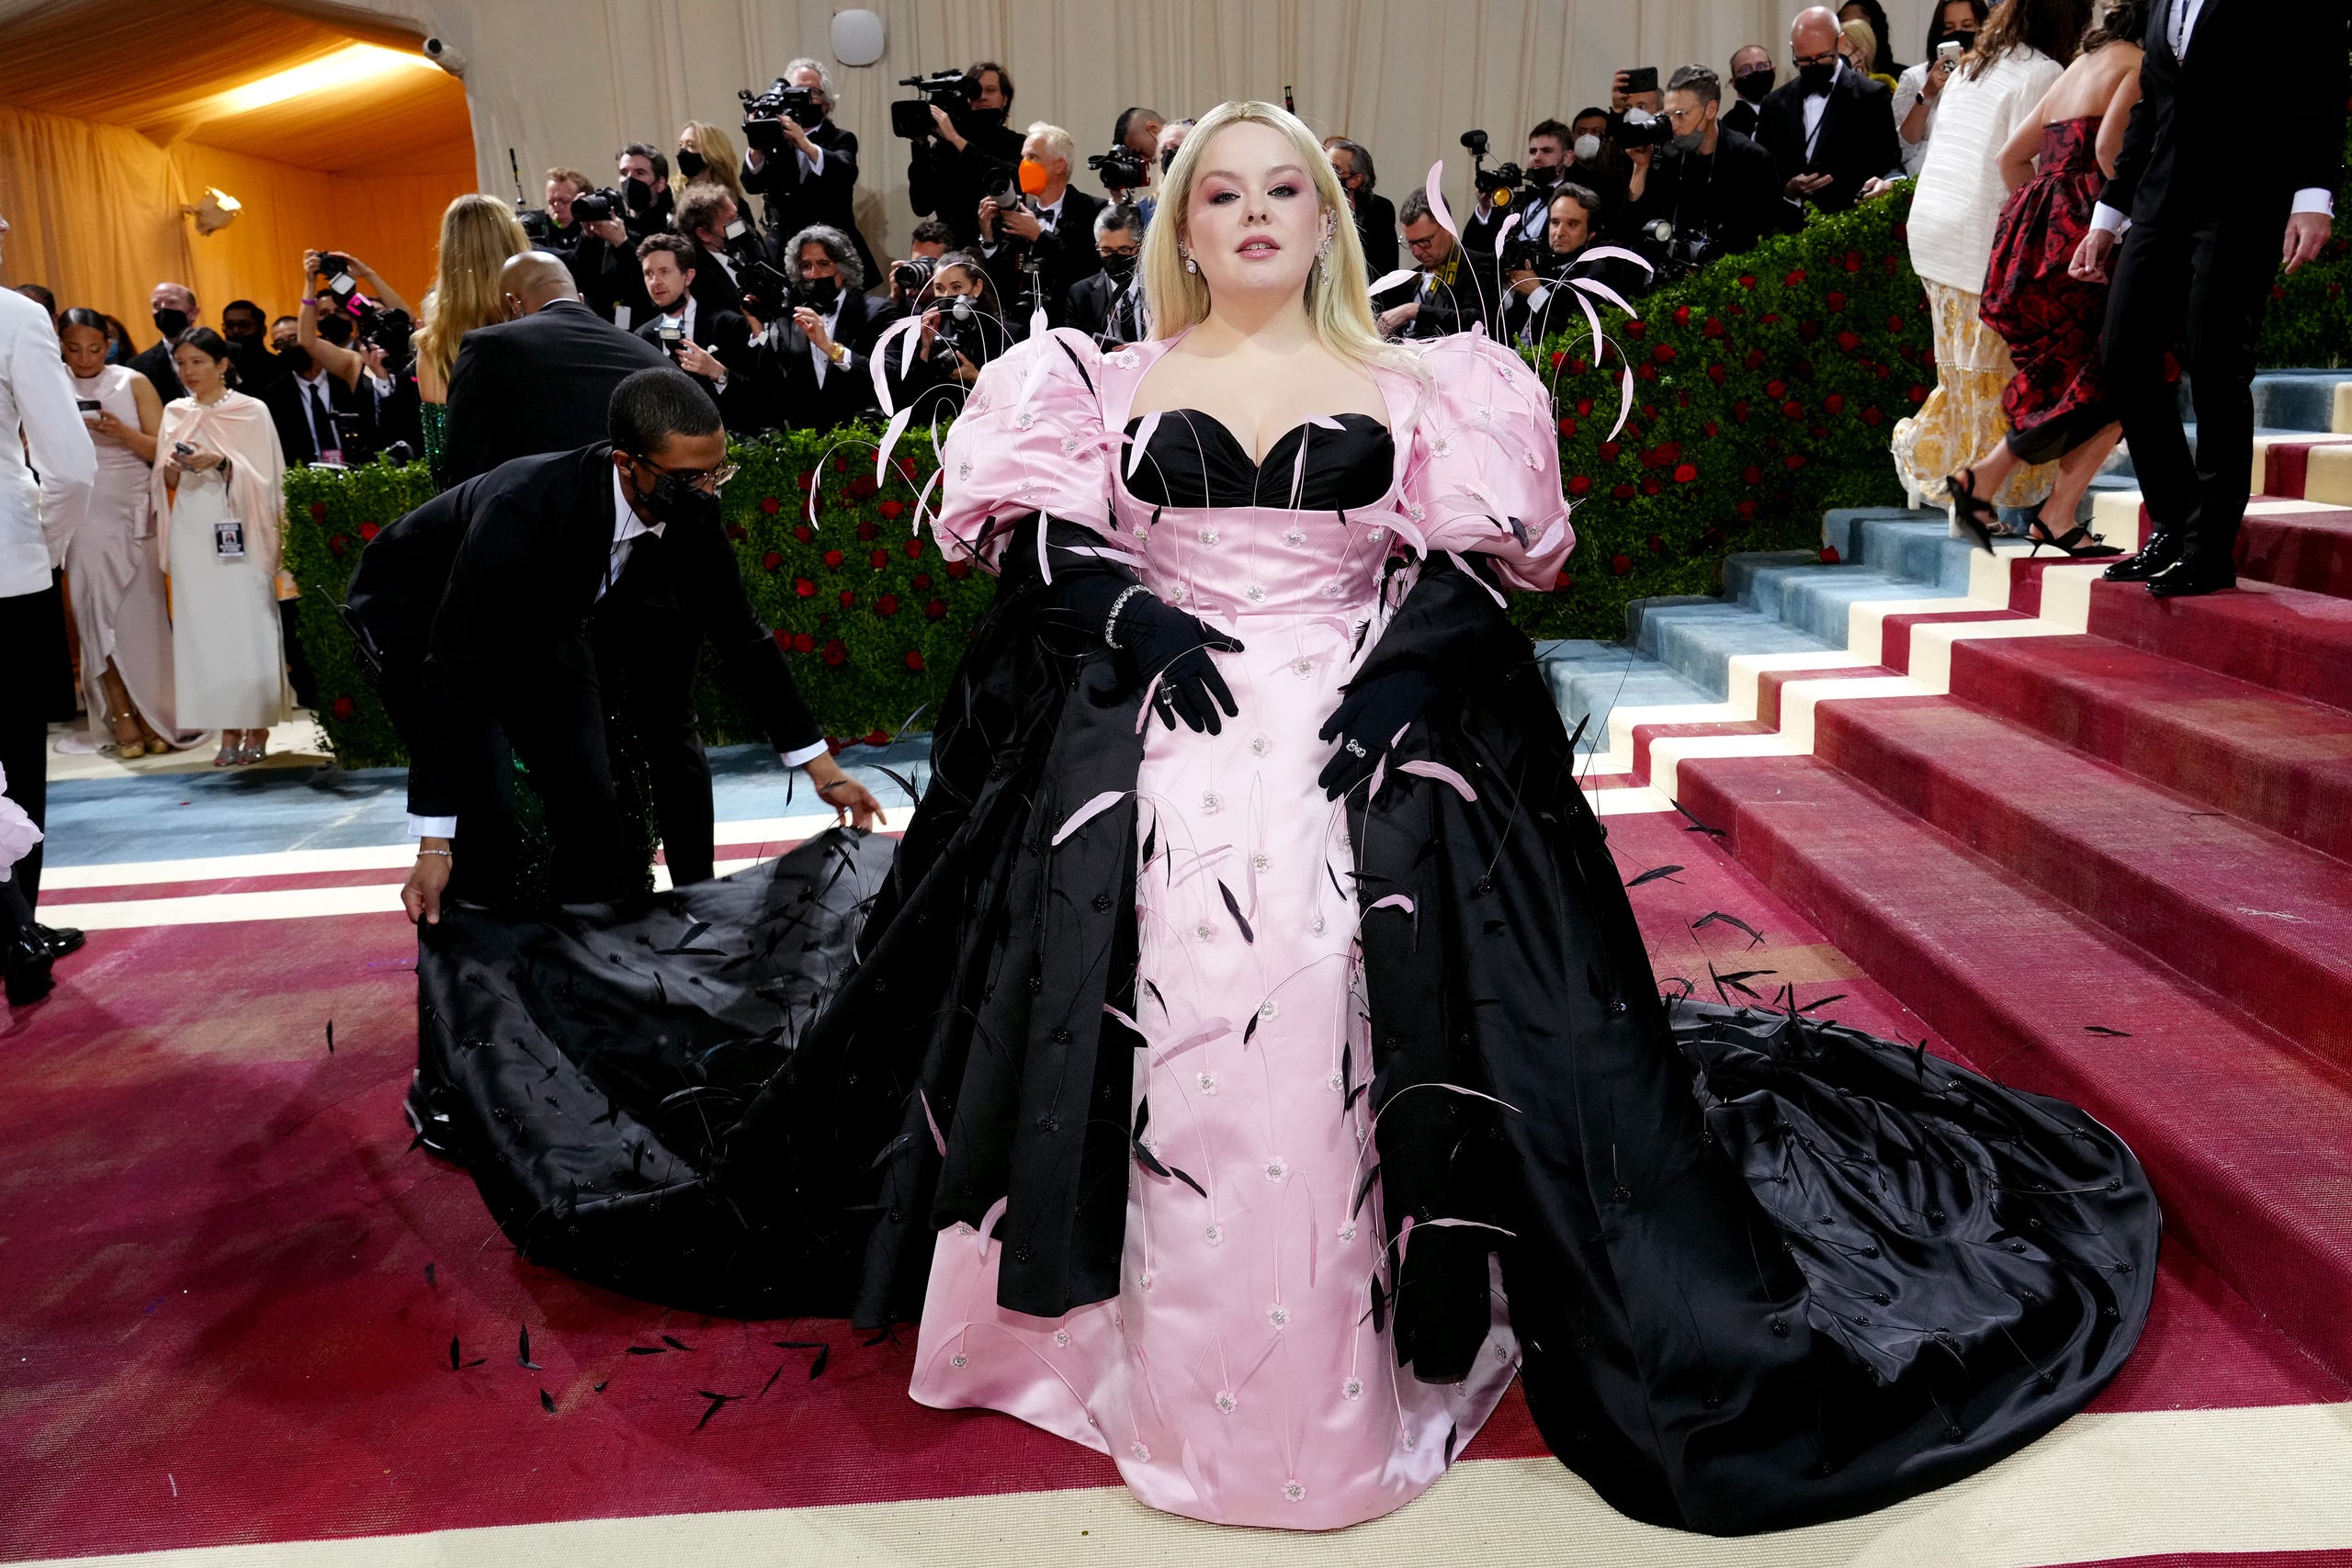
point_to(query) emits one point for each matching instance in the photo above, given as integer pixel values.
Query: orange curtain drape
(93, 213)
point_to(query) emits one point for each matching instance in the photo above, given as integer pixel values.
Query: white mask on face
(1587, 147)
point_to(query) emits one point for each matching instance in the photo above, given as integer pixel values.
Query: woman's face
(200, 372)
(952, 282)
(1851, 53)
(1571, 225)
(1960, 18)
(86, 350)
(1253, 221)
(686, 139)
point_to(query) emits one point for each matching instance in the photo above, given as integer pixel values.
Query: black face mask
(818, 292)
(295, 357)
(1754, 86)
(1166, 159)
(983, 120)
(336, 330)
(1544, 178)
(639, 195)
(672, 501)
(690, 163)
(1817, 75)
(1118, 267)
(171, 323)
(1966, 40)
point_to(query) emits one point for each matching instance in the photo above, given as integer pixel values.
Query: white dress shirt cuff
(2315, 198)
(2106, 219)
(432, 826)
(814, 161)
(804, 755)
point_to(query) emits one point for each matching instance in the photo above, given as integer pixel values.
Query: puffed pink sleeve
(1029, 439)
(1483, 476)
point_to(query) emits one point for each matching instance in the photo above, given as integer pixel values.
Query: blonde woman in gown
(223, 496)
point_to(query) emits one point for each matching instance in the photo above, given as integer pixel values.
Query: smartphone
(90, 409)
(1948, 52)
(182, 448)
(670, 338)
(1641, 79)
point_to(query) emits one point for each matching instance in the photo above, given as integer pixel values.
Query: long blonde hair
(1341, 314)
(477, 233)
(722, 165)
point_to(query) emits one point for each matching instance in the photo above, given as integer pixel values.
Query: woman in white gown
(219, 479)
(111, 575)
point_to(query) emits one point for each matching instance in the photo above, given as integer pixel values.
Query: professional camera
(335, 267)
(763, 115)
(909, 277)
(1500, 184)
(539, 224)
(596, 206)
(767, 292)
(1119, 169)
(393, 331)
(951, 90)
(1683, 251)
(1639, 127)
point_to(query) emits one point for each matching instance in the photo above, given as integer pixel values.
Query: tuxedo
(1854, 140)
(1376, 218)
(538, 384)
(798, 191)
(1065, 254)
(801, 393)
(714, 286)
(727, 337)
(529, 614)
(1108, 310)
(314, 417)
(2207, 213)
(155, 363)
(1740, 115)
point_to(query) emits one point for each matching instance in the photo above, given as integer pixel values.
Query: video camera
(763, 115)
(951, 90)
(767, 292)
(1119, 169)
(1501, 185)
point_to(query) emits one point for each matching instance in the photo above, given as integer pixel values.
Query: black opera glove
(1148, 638)
(1369, 718)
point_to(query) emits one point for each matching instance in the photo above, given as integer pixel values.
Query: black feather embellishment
(330, 1037)
(1652, 876)
(1233, 907)
(1823, 1002)
(717, 1402)
(547, 1402)
(816, 1367)
(1452, 1435)
(2102, 1030)
(1250, 1028)
(1697, 826)
(428, 1275)
(1363, 1192)
(1149, 1161)
(414, 1143)
(674, 1344)
(647, 1350)
(453, 1352)
(771, 1377)
(887, 1336)
(1178, 1172)
(897, 778)
(1754, 936)
(523, 1352)
(1577, 734)
(1155, 995)
(1379, 1306)
(599, 1388)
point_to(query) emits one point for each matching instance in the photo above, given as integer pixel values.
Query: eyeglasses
(713, 479)
(1823, 59)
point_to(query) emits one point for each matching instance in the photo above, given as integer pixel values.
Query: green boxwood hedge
(1765, 388)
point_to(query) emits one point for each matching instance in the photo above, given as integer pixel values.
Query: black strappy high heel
(2069, 543)
(1971, 510)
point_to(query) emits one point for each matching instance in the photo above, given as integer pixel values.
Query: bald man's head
(1814, 33)
(533, 280)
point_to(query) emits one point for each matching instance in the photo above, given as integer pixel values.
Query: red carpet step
(2283, 639)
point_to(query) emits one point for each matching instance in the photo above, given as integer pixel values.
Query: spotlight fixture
(215, 212)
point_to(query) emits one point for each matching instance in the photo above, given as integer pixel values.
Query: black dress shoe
(2194, 574)
(61, 940)
(24, 963)
(2162, 550)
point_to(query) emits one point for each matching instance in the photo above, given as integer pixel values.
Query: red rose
(773, 560)
(1635, 329)
(806, 589)
(1709, 430)
(1559, 357)
(368, 530)
(936, 609)
(1584, 408)
(1793, 409)
(959, 569)
(1836, 300)
(1645, 371)
(1621, 565)
(1715, 373)
(803, 643)
(836, 653)
(1754, 359)
(841, 464)
(863, 486)
(1567, 427)
(866, 530)
(343, 707)
(914, 549)
(1752, 475)
(921, 580)
(318, 512)
(802, 531)
(1834, 403)
(804, 481)
(1848, 341)
(1564, 581)
(1853, 261)
(849, 599)
(1739, 411)
(735, 531)
(1746, 508)
(1769, 317)
(1580, 485)
(1775, 390)
(1682, 315)
(1609, 450)
(1657, 545)
(771, 505)
(887, 605)
(906, 468)
(1794, 461)
(833, 558)
(1895, 323)
(338, 543)
(1795, 278)
(1808, 330)
(1577, 366)
(1685, 472)
(1829, 555)
(1871, 417)
(1622, 493)
(1650, 487)
(1664, 353)
(880, 560)
(1747, 280)
(1714, 327)
(1919, 393)
(914, 659)
(816, 503)
(894, 510)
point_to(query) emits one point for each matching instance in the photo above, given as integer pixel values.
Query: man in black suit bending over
(2204, 218)
(579, 588)
(541, 381)
(1830, 130)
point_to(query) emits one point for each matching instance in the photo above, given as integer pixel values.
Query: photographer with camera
(1712, 192)
(964, 327)
(961, 143)
(709, 344)
(1537, 301)
(1130, 171)
(1514, 203)
(814, 368)
(1036, 230)
(612, 221)
(706, 214)
(354, 366)
(554, 229)
(799, 161)
(1455, 291)
(1108, 305)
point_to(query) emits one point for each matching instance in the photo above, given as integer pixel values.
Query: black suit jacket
(1737, 202)
(1739, 115)
(493, 576)
(155, 363)
(284, 398)
(540, 384)
(1065, 252)
(1094, 301)
(1376, 231)
(1857, 140)
(2185, 151)
(795, 200)
(727, 337)
(946, 184)
(787, 371)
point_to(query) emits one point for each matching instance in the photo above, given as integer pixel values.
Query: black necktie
(323, 433)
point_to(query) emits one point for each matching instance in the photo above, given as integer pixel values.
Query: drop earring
(1323, 255)
(1190, 264)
